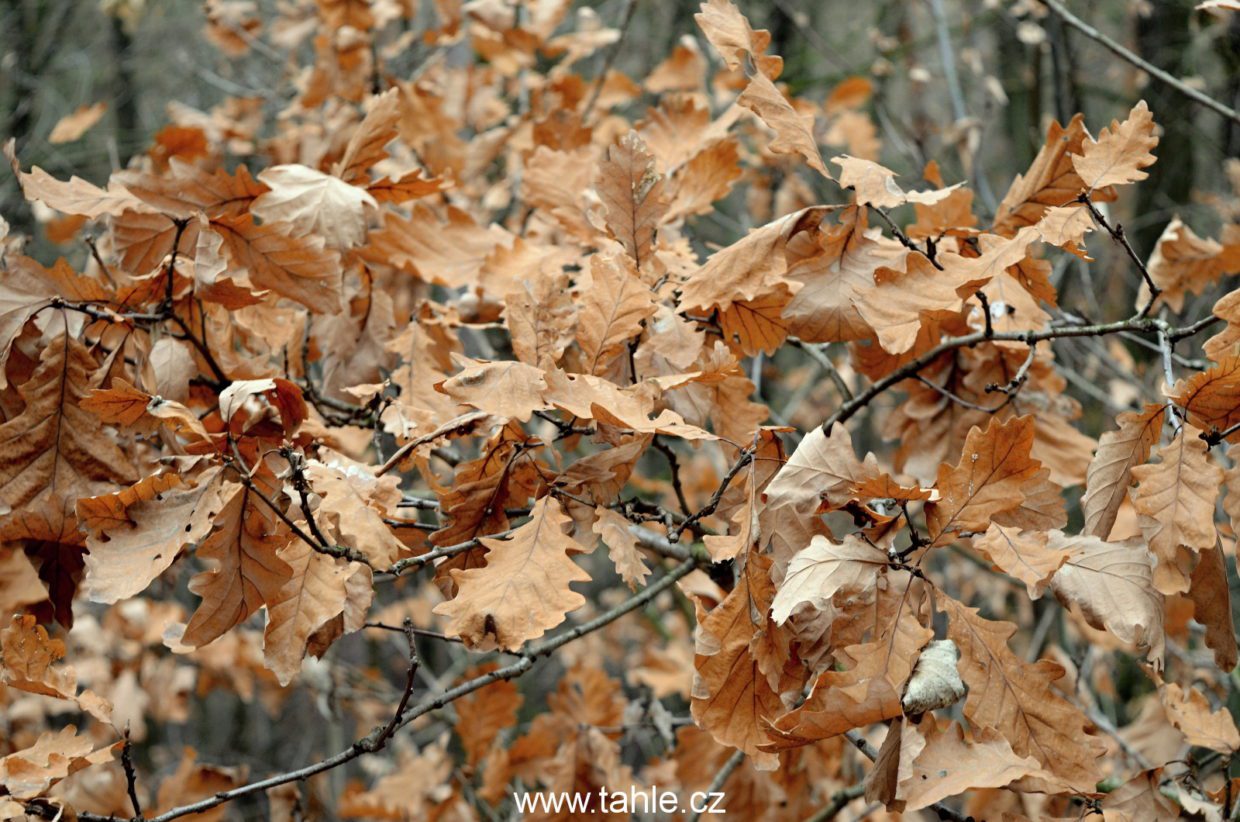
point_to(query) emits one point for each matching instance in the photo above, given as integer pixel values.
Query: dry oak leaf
(1110, 471)
(1120, 152)
(135, 534)
(74, 197)
(316, 591)
(541, 317)
(314, 203)
(704, 179)
(940, 760)
(823, 568)
(1112, 584)
(1225, 343)
(821, 472)
(751, 266)
(1019, 700)
(352, 505)
(523, 589)
(1183, 263)
(869, 691)
(506, 388)
(187, 190)
(367, 145)
(1210, 593)
(450, 253)
(875, 185)
(23, 294)
(632, 192)
(19, 581)
(621, 544)
(54, 452)
(484, 714)
(27, 657)
(794, 132)
(28, 773)
(76, 123)
(730, 33)
(1050, 181)
(731, 697)
(612, 311)
(1139, 798)
(1175, 499)
(1188, 711)
(1211, 397)
(300, 268)
(994, 481)
(244, 567)
(1023, 555)
(632, 408)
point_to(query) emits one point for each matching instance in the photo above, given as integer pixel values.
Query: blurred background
(964, 82)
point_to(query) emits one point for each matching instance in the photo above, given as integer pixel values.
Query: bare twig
(1117, 234)
(131, 775)
(1149, 68)
(721, 778)
(454, 426)
(609, 60)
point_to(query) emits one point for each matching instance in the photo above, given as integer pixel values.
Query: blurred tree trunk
(1161, 39)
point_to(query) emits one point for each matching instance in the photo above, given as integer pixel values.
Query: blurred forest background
(969, 83)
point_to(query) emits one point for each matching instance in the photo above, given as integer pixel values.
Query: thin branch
(511, 671)
(378, 740)
(915, 366)
(746, 457)
(455, 426)
(721, 778)
(839, 801)
(1117, 234)
(1149, 68)
(674, 465)
(131, 775)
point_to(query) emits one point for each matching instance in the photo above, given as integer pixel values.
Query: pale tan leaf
(1210, 593)
(621, 544)
(1120, 152)
(732, 36)
(1184, 263)
(126, 557)
(76, 123)
(824, 568)
(1175, 499)
(523, 589)
(1050, 181)
(29, 772)
(611, 311)
(794, 132)
(506, 388)
(1112, 584)
(1189, 711)
(1110, 471)
(311, 202)
(1024, 555)
(876, 185)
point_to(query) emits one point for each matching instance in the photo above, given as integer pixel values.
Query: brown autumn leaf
(621, 544)
(316, 590)
(74, 197)
(1211, 397)
(993, 481)
(524, 587)
(1112, 584)
(822, 569)
(313, 203)
(794, 132)
(1051, 180)
(29, 772)
(611, 312)
(1019, 700)
(300, 268)
(632, 191)
(1175, 499)
(137, 533)
(1184, 263)
(1189, 711)
(1210, 593)
(505, 388)
(1025, 555)
(1120, 152)
(54, 452)
(1110, 471)
(731, 35)
(244, 570)
(731, 696)
(484, 714)
(76, 123)
(939, 760)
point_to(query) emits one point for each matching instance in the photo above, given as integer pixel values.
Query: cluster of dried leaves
(456, 354)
